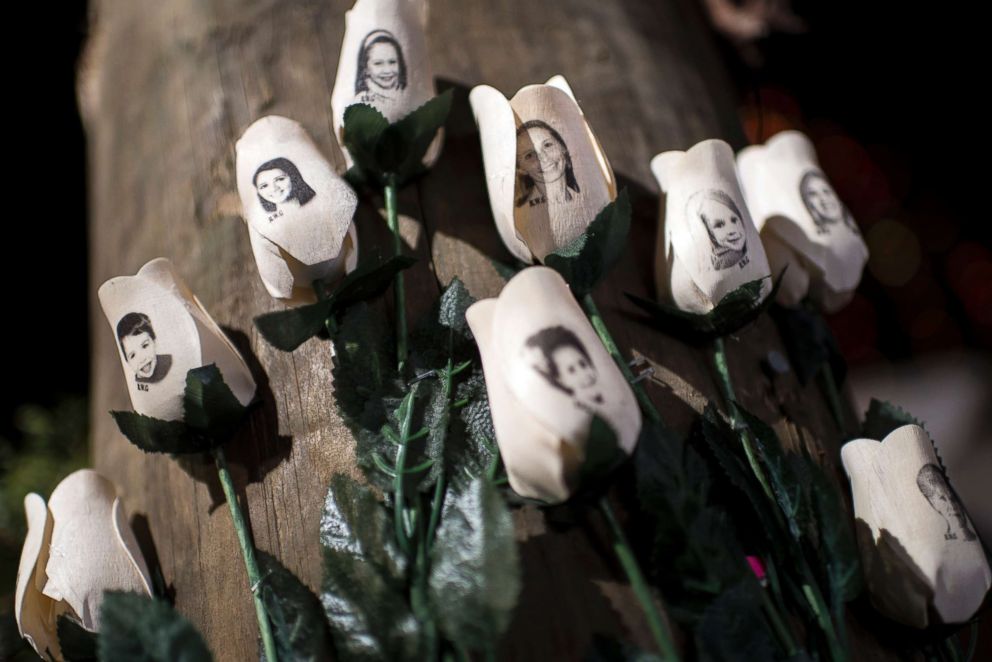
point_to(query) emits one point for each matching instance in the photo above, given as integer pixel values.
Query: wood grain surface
(166, 88)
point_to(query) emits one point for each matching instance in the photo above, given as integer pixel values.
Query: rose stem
(393, 221)
(604, 335)
(811, 590)
(248, 552)
(637, 582)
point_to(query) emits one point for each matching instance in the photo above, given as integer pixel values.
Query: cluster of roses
(725, 222)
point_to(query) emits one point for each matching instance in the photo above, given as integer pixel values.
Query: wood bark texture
(166, 88)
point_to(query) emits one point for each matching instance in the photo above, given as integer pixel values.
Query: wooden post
(166, 88)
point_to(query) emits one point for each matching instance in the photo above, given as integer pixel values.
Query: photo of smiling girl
(823, 203)
(381, 69)
(280, 187)
(566, 365)
(724, 225)
(137, 340)
(544, 166)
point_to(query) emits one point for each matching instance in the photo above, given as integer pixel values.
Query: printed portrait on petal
(381, 75)
(544, 166)
(942, 499)
(724, 224)
(280, 187)
(136, 338)
(823, 203)
(563, 361)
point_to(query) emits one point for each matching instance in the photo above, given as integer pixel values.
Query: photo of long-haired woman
(381, 74)
(544, 166)
(823, 203)
(280, 187)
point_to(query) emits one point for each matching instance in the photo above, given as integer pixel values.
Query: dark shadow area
(146, 542)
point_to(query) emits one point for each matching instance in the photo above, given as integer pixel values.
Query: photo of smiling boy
(137, 340)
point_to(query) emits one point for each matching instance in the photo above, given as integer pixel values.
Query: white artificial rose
(922, 559)
(77, 547)
(707, 243)
(384, 63)
(546, 172)
(162, 332)
(802, 222)
(299, 212)
(547, 375)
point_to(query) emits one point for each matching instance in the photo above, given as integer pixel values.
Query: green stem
(833, 396)
(392, 219)
(611, 346)
(399, 488)
(248, 552)
(727, 388)
(626, 557)
(784, 636)
(972, 641)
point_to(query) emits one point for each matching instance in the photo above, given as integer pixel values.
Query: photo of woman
(381, 69)
(280, 187)
(934, 487)
(822, 202)
(724, 225)
(544, 166)
(137, 340)
(566, 365)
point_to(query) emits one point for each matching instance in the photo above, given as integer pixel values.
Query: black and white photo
(724, 226)
(934, 487)
(137, 342)
(565, 364)
(823, 203)
(382, 73)
(544, 166)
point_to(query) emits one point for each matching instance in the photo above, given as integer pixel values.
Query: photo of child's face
(823, 200)
(274, 185)
(540, 156)
(139, 353)
(724, 224)
(384, 65)
(575, 372)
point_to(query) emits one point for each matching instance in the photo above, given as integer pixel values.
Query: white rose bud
(707, 244)
(77, 547)
(803, 223)
(922, 558)
(384, 63)
(547, 174)
(547, 375)
(299, 212)
(163, 332)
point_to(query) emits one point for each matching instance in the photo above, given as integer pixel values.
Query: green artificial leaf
(475, 569)
(603, 455)
(837, 550)
(733, 627)
(364, 367)
(473, 450)
(695, 555)
(153, 435)
(586, 260)
(809, 343)
(209, 405)
(365, 577)
(605, 649)
(883, 417)
(288, 329)
(733, 312)
(137, 628)
(298, 622)
(77, 643)
(392, 153)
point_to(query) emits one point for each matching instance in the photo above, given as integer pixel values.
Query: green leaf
(153, 435)
(209, 406)
(77, 643)
(883, 417)
(585, 261)
(297, 616)
(837, 550)
(142, 629)
(733, 627)
(288, 329)
(809, 343)
(734, 311)
(365, 577)
(383, 151)
(475, 569)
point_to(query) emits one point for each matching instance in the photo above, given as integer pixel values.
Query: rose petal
(31, 606)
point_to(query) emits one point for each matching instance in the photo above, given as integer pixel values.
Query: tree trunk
(166, 89)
